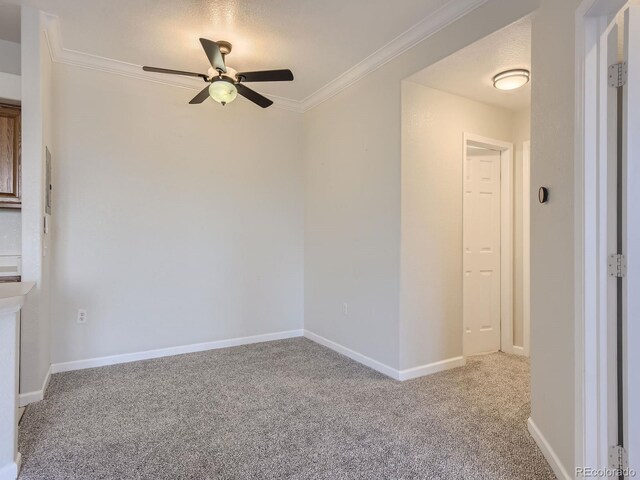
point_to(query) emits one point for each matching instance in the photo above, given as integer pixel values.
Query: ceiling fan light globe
(223, 91)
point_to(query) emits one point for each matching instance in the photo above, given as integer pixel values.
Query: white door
(481, 251)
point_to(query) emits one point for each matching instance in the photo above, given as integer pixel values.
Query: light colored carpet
(289, 409)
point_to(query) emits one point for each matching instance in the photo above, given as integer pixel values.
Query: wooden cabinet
(10, 152)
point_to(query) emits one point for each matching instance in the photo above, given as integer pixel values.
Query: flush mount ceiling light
(511, 79)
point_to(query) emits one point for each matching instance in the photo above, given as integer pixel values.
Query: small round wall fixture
(511, 79)
(543, 195)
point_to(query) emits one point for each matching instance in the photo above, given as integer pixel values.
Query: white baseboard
(11, 470)
(547, 451)
(430, 368)
(513, 350)
(353, 355)
(394, 373)
(518, 350)
(167, 352)
(31, 397)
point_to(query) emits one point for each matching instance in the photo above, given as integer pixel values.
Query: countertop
(12, 294)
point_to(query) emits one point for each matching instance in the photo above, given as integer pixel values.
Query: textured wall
(174, 224)
(552, 226)
(353, 193)
(10, 57)
(36, 134)
(433, 124)
(10, 232)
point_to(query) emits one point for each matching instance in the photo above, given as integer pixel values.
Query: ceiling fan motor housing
(225, 47)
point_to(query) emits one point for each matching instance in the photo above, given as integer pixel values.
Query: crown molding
(60, 54)
(445, 15)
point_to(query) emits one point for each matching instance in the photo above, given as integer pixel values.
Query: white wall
(10, 68)
(520, 132)
(353, 206)
(36, 134)
(433, 124)
(10, 231)
(352, 218)
(10, 88)
(552, 226)
(110, 242)
(173, 223)
(10, 57)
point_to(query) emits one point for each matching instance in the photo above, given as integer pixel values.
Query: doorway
(487, 221)
(443, 106)
(607, 269)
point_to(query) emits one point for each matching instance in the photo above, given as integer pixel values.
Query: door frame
(526, 248)
(593, 331)
(506, 233)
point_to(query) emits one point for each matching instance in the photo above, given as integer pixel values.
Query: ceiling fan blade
(267, 76)
(201, 97)
(174, 72)
(254, 96)
(213, 54)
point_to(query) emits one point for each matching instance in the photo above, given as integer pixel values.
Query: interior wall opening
(442, 105)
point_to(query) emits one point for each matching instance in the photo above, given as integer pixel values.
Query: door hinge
(617, 74)
(618, 458)
(617, 265)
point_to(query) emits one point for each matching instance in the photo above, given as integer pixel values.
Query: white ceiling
(10, 23)
(469, 72)
(317, 39)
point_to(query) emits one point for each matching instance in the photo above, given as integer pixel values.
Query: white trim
(394, 373)
(430, 368)
(10, 86)
(11, 470)
(60, 54)
(353, 355)
(170, 351)
(547, 451)
(517, 350)
(506, 234)
(25, 399)
(506, 247)
(590, 181)
(445, 15)
(526, 249)
(631, 234)
(406, 374)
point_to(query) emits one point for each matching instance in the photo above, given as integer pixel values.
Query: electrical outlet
(82, 316)
(345, 308)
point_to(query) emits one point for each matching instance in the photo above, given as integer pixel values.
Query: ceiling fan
(224, 82)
